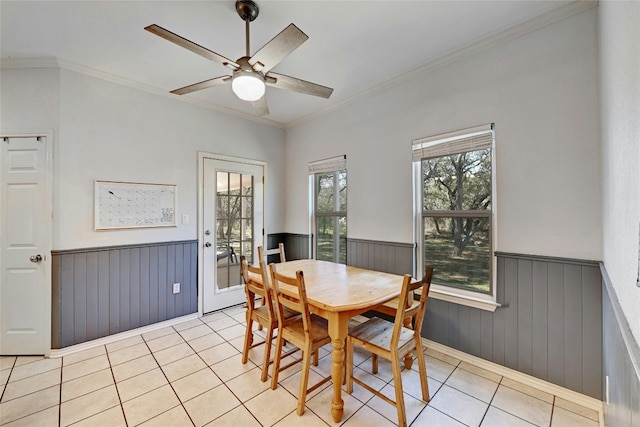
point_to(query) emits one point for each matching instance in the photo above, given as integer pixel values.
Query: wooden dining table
(337, 292)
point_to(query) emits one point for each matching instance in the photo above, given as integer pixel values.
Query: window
(454, 181)
(329, 220)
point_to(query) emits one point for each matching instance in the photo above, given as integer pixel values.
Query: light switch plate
(176, 288)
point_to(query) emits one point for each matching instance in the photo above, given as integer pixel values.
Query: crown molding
(68, 65)
(494, 39)
(29, 63)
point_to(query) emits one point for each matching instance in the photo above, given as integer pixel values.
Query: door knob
(207, 245)
(35, 258)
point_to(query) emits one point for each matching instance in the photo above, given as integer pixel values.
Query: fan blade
(202, 85)
(260, 106)
(297, 85)
(277, 49)
(193, 47)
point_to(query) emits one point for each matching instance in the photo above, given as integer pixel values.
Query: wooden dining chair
(307, 332)
(262, 253)
(393, 340)
(257, 285)
(390, 308)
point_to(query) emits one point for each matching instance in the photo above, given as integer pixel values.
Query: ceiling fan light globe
(248, 87)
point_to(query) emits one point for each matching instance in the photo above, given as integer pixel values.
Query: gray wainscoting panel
(390, 257)
(103, 291)
(549, 325)
(297, 246)
(621, 362)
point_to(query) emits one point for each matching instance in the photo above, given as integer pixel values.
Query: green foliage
(330, 204)
(471, 271)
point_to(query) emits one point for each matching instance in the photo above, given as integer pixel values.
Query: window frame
(481, 300)
(335, 166)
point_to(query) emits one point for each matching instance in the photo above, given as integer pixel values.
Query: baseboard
(55, 353)
(556, 390)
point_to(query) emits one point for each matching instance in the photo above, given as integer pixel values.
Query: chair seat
(295, 330)
(377, 332)
(261, 315)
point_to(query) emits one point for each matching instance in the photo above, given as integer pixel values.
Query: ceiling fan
(250, 73)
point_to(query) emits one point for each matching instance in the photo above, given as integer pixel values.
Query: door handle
(35, 258)
(207, 245)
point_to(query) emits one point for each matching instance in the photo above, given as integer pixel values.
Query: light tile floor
(191, 374)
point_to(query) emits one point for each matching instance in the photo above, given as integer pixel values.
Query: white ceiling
(355, 47)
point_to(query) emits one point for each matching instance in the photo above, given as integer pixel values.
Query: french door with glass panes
(232, 227)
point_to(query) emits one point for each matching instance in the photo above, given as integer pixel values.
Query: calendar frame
(118, 205)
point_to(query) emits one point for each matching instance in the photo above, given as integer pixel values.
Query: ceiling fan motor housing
(247, 10)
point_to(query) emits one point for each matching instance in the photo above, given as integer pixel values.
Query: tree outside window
(331, 216)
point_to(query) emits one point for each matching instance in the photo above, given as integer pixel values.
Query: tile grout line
(60, 393)
(115, 385)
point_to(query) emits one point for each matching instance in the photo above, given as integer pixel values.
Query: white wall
(539, 89)
(619, 34)
(29, 100)
(112, 132)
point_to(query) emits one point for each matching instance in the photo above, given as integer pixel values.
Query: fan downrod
(247, 9)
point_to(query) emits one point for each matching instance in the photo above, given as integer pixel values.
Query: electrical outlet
(176, 288)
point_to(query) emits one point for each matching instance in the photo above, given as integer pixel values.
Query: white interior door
(25, 216)
(232, 226)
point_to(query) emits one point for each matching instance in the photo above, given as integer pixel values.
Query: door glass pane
(247, 229)
(234, 183)
(247, 207)
(247, 185)
(222, 183)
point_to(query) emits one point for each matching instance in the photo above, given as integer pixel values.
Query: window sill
(483, 303)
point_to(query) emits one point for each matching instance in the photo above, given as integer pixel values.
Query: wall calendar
(134, 205)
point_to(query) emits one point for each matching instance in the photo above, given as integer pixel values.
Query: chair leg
(408, 358)
(348, 367)
(397, 384)
(316, 357)
(260, 325)
(267, 354)
(374, 363)
(276, 362)
(248, 338)
(422, 367)
(304, 379)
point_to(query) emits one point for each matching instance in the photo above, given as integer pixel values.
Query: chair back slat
(263, 253)
(253, 286)
(425, 284)
(290, 292)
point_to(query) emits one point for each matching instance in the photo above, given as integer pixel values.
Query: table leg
(338, 328)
